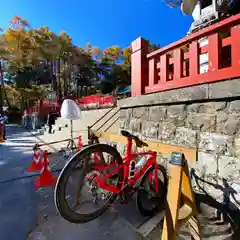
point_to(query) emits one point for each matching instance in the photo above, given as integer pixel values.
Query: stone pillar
(139, 66)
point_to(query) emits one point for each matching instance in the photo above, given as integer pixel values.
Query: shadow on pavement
(226, 212)
(18, 199)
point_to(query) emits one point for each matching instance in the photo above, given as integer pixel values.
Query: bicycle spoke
(83, 197)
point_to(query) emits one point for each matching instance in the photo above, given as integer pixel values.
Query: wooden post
(179, 188)
(214, 52)
(139, 66)
(235, 33)
(194, 59)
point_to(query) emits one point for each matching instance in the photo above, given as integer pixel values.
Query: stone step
(151, 228)
(80, 127)
(144, 227)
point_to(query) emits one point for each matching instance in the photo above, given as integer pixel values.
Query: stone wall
(206, 117)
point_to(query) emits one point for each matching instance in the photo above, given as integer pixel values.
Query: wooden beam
(164, 149)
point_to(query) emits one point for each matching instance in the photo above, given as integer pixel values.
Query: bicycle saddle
(128, 134)
(138, 142)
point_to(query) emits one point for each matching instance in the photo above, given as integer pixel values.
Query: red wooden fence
(95, 100)
(44, 106)
(178, 64)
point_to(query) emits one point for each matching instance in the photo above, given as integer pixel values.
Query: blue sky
(102, 22)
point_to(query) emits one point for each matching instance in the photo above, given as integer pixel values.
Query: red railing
(44, 106)
(212, 54)
(107, 100)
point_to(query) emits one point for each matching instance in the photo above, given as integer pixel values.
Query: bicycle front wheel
(70, 205)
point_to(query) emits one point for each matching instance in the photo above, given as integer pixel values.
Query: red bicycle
(108, 176)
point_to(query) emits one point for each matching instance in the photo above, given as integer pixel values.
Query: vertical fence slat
(178, 63)
(152, 72)
(235, 35)
(213, 52)
(194, 59)
(164, 68)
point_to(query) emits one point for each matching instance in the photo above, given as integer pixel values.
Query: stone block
(212, 107)
(123, 124)
(207, 164)
(150, 130)
(228, 88)
(185, 137)
(176, 114)
(201, 121)
(227, 167)
(228, 124)
(216, 143)
(141, 113)
(125, 114)
(176, 111)
(167, 132)
(222, 117)
(157, 113)
(193, 108)
(198, 92)
(171, 96)
(135, 125)
(237, 147)
(184, 94)
(235, 106)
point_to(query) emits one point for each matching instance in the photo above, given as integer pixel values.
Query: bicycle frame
(151, 161)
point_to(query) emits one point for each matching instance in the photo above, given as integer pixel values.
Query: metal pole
(71, 125)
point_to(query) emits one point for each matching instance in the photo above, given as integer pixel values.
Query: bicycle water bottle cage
(138, 142)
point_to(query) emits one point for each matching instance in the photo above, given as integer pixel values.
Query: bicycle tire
(163, 194)
(59, 194)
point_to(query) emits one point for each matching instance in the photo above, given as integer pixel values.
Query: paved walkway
(25, 214)
(18, 199)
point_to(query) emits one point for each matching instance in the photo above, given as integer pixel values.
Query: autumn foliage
(28, 56)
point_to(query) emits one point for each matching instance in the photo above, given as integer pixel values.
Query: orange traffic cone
(37, 163)
(80, 143)
(46, 177)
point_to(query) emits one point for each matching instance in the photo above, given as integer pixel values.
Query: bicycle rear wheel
(148, 201)
(88, 167)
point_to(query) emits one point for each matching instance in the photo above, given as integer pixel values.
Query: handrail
(200, 34)
(189, 61)
(102, 117)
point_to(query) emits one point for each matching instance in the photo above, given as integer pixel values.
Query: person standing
(50, 122)
(3, 121)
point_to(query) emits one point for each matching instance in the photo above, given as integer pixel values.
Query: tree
(33, 57)
(21, 54)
